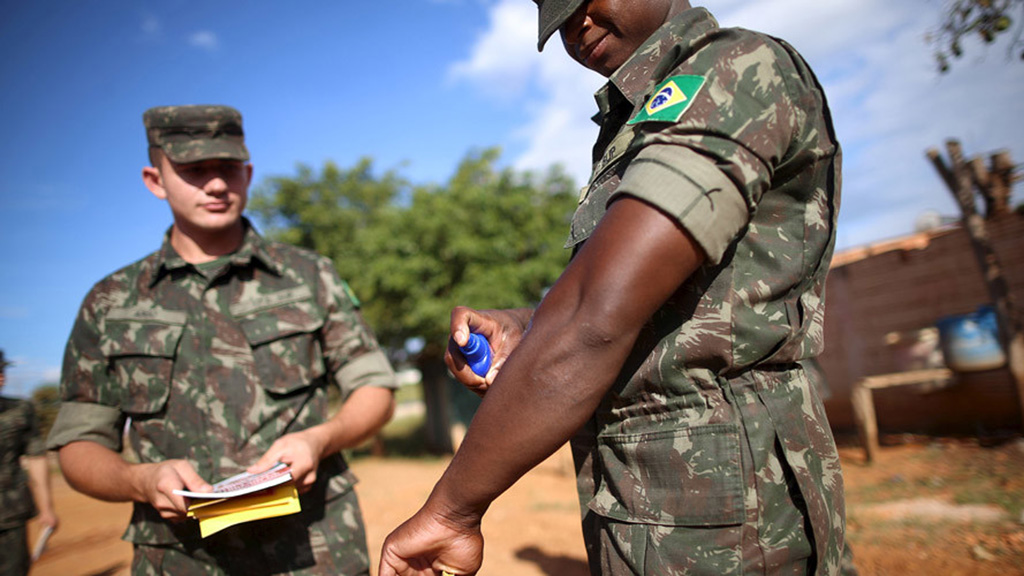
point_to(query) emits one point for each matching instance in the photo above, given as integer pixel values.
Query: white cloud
(817, 29)
(204, 40)
(887, 99)
(505, 56)
(151, 26)
(557, 93)
(560, 130)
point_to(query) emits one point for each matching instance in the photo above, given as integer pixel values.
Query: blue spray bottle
(478, 354)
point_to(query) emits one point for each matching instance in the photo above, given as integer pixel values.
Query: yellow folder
(216, 515)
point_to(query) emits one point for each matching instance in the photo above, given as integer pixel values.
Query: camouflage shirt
(728, 132)
(212, 363)
(19, 436)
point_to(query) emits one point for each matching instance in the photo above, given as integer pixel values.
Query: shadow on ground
(553, 565)
(111, 571)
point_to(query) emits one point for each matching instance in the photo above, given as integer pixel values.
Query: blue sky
(415, 85)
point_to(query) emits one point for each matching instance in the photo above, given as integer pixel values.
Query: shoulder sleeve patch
(351, 295)
(670, 99)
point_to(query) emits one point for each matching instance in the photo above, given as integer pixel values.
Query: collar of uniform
(253, 248)
(648, 66)
(607, 99)
(167, 259)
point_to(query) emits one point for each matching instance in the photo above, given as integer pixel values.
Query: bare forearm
(39, 476)
(361, 416)
(102, 473)
(520, 316)
(99, 472)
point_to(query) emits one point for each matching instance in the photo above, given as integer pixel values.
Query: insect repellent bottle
(478, 354)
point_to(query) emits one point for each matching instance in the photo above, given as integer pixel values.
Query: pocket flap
(274, 316)
(681, 477)
(261, 330)
(142, 332)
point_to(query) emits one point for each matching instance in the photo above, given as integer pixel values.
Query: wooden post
(437, 400)
(864, 416)
(959, 180)
(993, 183)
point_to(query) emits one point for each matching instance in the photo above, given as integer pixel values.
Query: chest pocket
(283, 330)
(140, 345)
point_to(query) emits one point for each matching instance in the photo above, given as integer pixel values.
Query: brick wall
(882, 303)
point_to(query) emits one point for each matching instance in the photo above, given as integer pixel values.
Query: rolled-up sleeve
(369, 369)
(83, 421)
(90, 408)
(690, 188)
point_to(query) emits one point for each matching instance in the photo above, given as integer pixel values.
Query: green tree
(46, 401)
(330, 212)
(487, 238)
(963, 18)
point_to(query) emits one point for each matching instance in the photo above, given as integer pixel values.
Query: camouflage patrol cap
(194, 133)
(553, 13)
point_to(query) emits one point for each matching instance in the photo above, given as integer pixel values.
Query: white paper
(245, 483)
(44, 536)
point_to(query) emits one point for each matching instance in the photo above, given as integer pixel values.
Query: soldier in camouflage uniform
(20, 437)
(219, 349)
(670, 349)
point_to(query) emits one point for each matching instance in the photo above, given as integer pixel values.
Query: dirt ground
(948, 507)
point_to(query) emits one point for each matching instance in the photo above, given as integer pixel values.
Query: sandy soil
(533, 529)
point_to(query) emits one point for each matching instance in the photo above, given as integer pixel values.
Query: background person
(220, 348)
(21, 497)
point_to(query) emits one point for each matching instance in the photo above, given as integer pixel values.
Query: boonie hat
(553, 13)
(3, 362)
(198, 132)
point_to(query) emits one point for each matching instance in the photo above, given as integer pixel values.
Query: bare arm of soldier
(579, 338)
(503, 330)
(363, 413)
(39, 477)
(100, 472)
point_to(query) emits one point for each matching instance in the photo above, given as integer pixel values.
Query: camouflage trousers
(14, 559)
(331, 541)
(765, 529)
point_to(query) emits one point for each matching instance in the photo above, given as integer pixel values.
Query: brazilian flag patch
(351, 295)
(671, 98)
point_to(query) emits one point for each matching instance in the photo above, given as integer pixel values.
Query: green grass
(409, 393)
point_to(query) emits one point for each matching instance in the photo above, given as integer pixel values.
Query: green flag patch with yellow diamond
(671, 98)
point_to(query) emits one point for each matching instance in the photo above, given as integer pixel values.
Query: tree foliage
(487, 238)
(988, 19)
